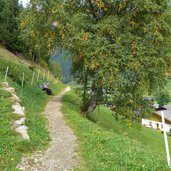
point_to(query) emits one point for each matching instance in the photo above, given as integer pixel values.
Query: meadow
(106, 144)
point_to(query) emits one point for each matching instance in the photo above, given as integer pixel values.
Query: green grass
(9, 140)
(12, 146)
(113, 148)
(151, 138)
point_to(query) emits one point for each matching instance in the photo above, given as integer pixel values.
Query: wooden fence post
(22, 83)
(43, 74)
(6, 73)
(48, 76)
(32, 78)
(38, 74)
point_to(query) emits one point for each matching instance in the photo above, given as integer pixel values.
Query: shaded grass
(12, 146)
(109, 150)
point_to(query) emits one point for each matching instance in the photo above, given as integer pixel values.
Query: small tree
(55, 68)
(162, 98)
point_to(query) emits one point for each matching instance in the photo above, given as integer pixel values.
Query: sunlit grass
(12, 146)
(107, 146)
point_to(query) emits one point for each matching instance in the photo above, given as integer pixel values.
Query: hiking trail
(60, 155)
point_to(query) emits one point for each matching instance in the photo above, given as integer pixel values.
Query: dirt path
(60, 155)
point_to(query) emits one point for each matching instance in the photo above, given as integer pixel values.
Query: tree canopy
(9, 31)
(119, 48)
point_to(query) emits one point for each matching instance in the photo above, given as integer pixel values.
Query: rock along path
(60, 155)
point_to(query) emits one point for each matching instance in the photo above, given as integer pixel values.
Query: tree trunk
(94, 12)
(34, 56)
(91, 105)
(85, 89)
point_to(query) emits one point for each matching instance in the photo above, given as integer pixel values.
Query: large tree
(119, 48)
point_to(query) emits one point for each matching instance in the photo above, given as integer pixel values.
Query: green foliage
(43, 63)
(119, 53)
(9, 31)
(162, 98)
(119, 49)
(168, 86)
(110, 150)
(36, 35)
(55, 68)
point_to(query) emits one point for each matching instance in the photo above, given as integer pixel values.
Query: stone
(15, 97)
(23, 131)
(5, 84)
(23, 109)
(18, 109)
(14, 100)
(19, 122)
(9, 89)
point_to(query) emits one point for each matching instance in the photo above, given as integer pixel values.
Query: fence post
(22, 84)
(38, 74)
(6, 73)
(48, 76)
(43, 74)
(32, 78)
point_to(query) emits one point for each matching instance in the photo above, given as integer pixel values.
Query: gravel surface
(61, 155)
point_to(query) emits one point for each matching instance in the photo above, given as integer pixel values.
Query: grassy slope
(4, 53)
(151, 138)
(117, 149)
(12, 147)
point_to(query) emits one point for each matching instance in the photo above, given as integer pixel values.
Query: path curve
(60, 155)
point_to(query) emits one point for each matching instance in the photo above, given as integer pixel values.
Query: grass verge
(109, 149)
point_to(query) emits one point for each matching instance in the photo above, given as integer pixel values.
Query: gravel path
(60, 155)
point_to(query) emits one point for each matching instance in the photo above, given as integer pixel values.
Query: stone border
(18, 125)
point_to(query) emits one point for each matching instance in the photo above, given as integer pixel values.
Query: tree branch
(93, 10)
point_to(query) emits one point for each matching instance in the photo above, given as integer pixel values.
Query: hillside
(33, 99)
(116, 53)
(5, 54)
(107, 145)
(103, 145)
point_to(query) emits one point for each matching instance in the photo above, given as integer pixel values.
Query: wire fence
(38, 75)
